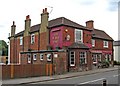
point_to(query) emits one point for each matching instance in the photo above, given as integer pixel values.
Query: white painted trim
(70, 58)
(81, 35)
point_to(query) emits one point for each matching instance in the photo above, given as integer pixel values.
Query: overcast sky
(104, 13)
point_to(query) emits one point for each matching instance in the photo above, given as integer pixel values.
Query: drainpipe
(68, 55)
(9, 50)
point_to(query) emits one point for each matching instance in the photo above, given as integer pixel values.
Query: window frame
(94, 56)
(93, 42)
(72, 57)
(29, 59)
(49, 58)
(83, 53)
(21, 40)
(41, 56)
(81, 35)
(32, 38)
(105, 44)
(34, 57)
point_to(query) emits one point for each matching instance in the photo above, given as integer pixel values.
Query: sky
(104, 13)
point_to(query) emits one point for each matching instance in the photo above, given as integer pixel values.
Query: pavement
(56, 77)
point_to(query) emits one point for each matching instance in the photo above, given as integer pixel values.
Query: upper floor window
(21, 40)
(72, 58)
(105, 44)
(93, 43)
(78, 35)
(32, 38)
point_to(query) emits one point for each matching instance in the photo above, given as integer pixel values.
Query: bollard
(104, 82)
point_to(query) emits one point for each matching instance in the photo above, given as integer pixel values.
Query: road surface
(112, 77)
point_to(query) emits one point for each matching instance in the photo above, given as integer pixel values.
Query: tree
(3, 48)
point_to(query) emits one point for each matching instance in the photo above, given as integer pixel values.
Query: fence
(28, 70)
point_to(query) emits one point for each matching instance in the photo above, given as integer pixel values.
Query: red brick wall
(26, 43)
(77, 60)
(35, 45)
(43, 41)
(12, 51)
(69, 32)
(99, 45)
(18, 71)
(87, 37)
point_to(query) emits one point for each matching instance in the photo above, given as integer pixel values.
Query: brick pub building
(61, 42)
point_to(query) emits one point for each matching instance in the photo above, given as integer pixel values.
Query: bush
(116, 63)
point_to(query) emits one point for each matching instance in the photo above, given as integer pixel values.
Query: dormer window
(78, 35)
(32, 38)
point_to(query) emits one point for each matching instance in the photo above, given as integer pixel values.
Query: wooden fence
(20, 71)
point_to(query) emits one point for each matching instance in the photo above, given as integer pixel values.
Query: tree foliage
(3, 48)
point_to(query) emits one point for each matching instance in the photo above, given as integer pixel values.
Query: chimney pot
(27, 17)
(13, 22)
(45, 10)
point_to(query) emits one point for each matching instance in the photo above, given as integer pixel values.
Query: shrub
(116, 63)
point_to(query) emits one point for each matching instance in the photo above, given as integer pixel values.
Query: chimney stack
(89, 24)
(13, 29)
(26, 39)
(44, 32)
(27, 25)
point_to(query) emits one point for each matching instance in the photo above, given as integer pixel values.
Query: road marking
(116, 75)
(92, 81)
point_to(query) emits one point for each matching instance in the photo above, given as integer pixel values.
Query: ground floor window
(96, 58)
(29, 58)
(108, 57)
(83, 59)
(72, 58)
(49, 57)
(34, 57)
(41, 56)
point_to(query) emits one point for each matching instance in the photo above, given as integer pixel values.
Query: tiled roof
(56, 22)
(19, 34)
(100, 34)
(64, 21)
(78, 46)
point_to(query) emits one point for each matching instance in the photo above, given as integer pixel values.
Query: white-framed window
(29, 58)
(72, 58)
(34, 56)
(21, 40)
(83, 58)
(41, 56)
(55, 55)
(99, 57)
(32, 38)
(108, 57)
(93, 43)
(94, 58)
(105, 44)
(49, 57)
(78, 35)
